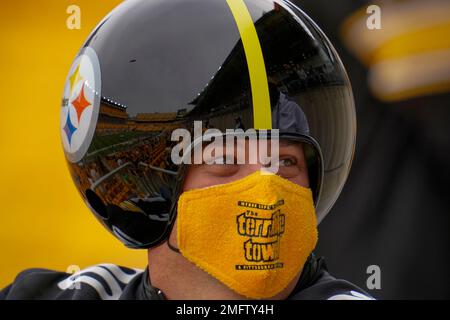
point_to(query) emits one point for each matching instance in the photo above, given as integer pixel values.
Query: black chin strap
(171, 247)
(311, 270)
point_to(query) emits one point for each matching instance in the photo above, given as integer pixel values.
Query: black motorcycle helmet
(151, 67)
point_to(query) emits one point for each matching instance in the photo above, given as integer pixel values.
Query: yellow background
(43, 221)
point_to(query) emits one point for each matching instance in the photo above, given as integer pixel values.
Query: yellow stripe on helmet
(262, 116)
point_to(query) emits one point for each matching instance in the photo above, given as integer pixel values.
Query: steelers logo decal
(80, 104)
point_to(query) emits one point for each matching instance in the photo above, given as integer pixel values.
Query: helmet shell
(151, 67)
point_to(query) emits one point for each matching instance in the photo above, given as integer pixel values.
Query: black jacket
(111, 282)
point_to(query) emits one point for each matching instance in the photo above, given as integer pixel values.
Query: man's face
(292, 166)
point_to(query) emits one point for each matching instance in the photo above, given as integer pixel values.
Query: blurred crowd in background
(394, 211)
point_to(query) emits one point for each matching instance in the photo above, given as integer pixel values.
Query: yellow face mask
(254, 234)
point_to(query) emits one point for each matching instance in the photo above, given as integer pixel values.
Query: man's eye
(225, 159)
(287, 162)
